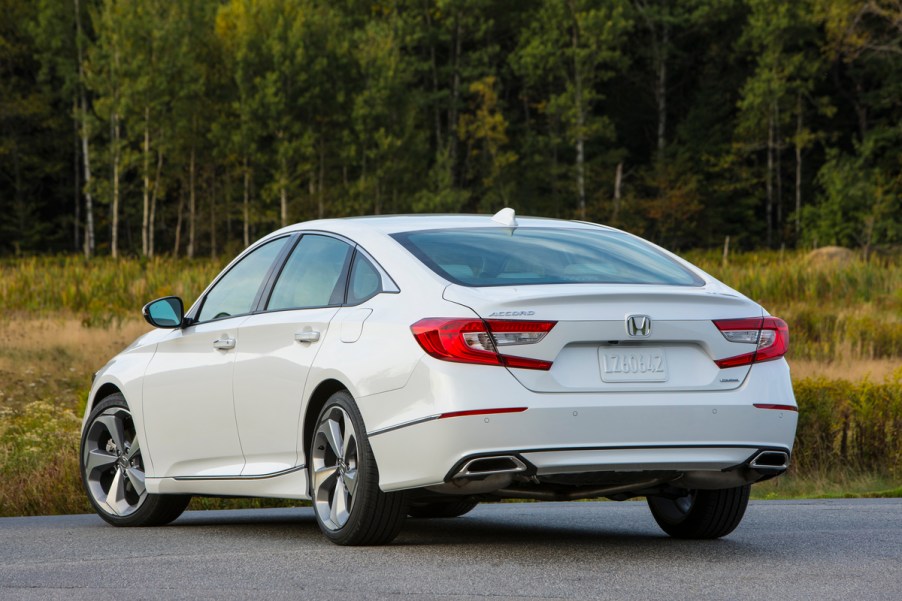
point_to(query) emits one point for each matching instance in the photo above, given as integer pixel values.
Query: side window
(313, 276)
(234, 294)
(365, 280)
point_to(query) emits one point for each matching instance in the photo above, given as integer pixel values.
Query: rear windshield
(519, 256)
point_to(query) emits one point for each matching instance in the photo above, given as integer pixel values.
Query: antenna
(506, 216)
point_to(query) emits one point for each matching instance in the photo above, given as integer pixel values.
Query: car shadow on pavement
(612, 532)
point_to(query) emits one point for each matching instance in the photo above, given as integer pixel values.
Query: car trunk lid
(620, 338)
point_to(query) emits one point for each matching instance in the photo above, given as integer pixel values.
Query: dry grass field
(61, 319)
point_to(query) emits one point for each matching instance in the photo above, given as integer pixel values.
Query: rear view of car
(617, 370)
(386, 367)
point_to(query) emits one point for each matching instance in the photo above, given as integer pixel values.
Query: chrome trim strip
(412, 422)
(296, 468)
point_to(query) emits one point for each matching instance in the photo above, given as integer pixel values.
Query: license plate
(632, 364)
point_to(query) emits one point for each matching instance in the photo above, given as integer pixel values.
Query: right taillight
(771, 334)
(477, 340)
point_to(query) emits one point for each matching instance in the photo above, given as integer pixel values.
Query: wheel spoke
(116, 496)
(104, 503)
(350, 481)
(322, 477)
(116, 428)
(339, 510)
(133, 450)
(98, 459)
(349, 446)
(333, 436)
(136, 477)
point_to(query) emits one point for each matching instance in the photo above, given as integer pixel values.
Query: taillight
(771, 334)
(477, 340)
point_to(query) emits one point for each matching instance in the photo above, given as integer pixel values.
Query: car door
(278, 347)
(189, 411)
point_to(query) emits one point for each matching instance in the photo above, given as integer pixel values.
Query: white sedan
(385, 367)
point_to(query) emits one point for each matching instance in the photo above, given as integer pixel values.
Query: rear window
(519, 256)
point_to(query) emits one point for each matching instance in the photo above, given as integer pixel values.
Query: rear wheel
(349, 506)
(442, 509)
(701, 514)
(112, 470)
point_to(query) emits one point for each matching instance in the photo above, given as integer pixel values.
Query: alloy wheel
(334, 460)
(111, 460)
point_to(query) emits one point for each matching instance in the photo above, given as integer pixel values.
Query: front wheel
(349, 506)
(112, 470)
(701, 514)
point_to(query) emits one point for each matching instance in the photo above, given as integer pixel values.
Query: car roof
(391, 224)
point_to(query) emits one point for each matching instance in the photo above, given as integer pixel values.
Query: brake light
(477, 340)
(771, 334)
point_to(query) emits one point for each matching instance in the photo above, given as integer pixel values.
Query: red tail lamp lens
(770, 333)
(477, 341)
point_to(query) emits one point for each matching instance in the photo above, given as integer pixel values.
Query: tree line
(191, 127)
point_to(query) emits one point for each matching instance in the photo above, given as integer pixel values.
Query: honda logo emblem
(638, 326)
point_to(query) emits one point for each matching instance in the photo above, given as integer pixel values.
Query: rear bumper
(579, 433)
(554, 441)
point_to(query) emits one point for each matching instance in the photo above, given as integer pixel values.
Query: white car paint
(231, 422)
(188, 406)
(271, 369)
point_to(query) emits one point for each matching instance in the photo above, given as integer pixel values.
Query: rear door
(278, 347)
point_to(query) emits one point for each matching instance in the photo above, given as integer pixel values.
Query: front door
(188, 405)
(189, 409)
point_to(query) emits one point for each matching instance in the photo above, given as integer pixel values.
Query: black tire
(120, 466)
(701, 514)
(441, 509)
(349, 506)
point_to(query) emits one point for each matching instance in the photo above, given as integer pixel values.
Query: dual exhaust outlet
(510, 464)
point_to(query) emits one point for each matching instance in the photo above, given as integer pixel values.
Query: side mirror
(166, 312)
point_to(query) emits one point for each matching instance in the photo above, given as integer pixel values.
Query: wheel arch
(315, 404)
(104, 391)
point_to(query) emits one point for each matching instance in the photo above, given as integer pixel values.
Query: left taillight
(771, 334)
(477, 340)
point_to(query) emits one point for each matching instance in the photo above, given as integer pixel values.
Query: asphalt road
(782, 550)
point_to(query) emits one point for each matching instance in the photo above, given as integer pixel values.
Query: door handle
(224, 344)
(307, 336)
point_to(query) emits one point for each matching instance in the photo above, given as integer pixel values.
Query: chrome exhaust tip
(485, 466)
(770, 460)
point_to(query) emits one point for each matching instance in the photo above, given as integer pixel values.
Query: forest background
(143, 143)
(188, 127)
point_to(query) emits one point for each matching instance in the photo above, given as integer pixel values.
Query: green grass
(101, 291)
(836, 311)
(70, 315)
(849, 425)
(774, 278)
(840, 484)
(39, 461)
